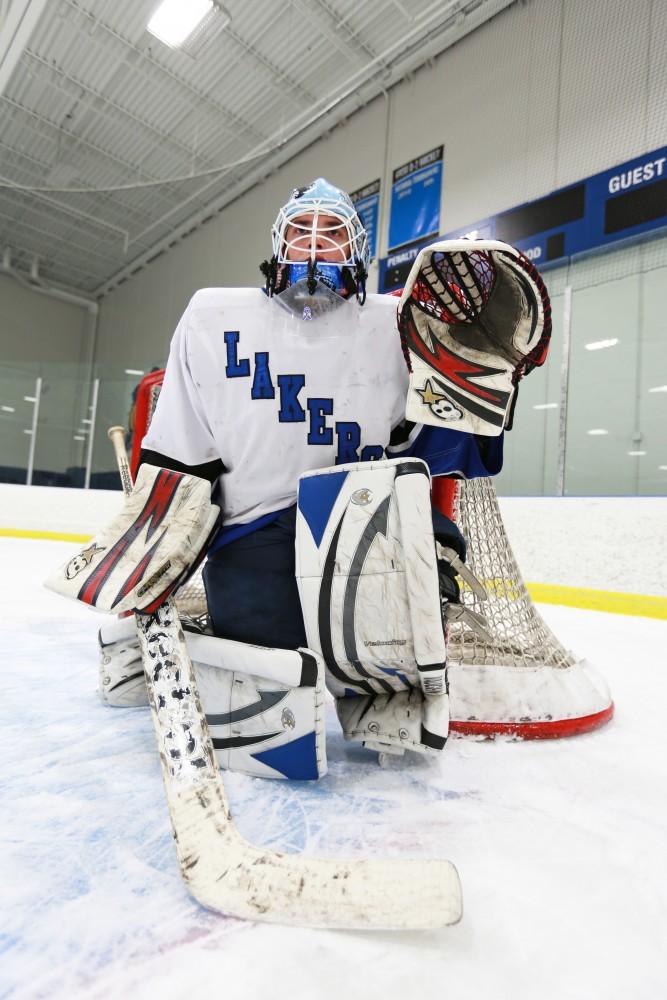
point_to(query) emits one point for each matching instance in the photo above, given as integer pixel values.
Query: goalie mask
(320, 248)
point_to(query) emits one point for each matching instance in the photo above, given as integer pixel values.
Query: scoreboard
(625, 201)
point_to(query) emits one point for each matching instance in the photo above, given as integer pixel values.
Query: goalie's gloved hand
(149, 549)
(448, 535)
(449, 586)
(451, 564)
(474, 318)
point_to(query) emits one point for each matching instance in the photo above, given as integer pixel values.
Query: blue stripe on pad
(317, 496)
(296, 760)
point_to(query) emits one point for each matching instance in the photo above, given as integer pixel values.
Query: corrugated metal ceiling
(94, 102)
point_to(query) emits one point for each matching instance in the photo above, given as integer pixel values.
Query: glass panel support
(91, 433)
(33, 430)
(564, 382)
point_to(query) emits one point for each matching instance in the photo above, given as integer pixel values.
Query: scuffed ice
(559, 845)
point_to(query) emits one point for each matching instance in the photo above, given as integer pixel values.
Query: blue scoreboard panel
(624, 201)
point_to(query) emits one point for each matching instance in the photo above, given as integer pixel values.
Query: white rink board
(606, 543)
(57, 508)
(558, 843)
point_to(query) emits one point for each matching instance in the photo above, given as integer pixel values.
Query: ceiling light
(545, 406)
(9, 409)
(26, 431)
(78, 437)
(597, 431)
(659, 388)
(598, 345)
(175, 20)
(30, 399)
(85, 420)
(133, 371)
(636, 453)
(663, 468)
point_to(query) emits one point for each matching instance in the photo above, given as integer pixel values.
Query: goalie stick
(225, 872)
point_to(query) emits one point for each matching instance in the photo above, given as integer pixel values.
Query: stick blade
(227, 874)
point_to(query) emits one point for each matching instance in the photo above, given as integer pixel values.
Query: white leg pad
(264, 727)
(368, 579)
(265, 707)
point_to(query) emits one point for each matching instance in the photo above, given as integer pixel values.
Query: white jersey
(272, 395)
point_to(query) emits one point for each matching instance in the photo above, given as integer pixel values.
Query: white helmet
(319, 199)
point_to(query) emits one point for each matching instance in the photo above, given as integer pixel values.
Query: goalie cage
(524, 683)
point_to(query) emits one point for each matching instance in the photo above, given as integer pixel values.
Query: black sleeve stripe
(207, 470)
(401, 433)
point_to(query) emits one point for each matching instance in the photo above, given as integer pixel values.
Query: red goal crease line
(586, 598)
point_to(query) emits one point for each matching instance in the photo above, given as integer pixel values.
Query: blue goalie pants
(251, 586)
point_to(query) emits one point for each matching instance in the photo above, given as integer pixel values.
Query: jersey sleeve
(448, 452)
(179, 435)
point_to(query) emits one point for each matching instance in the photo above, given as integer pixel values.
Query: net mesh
(519, 635)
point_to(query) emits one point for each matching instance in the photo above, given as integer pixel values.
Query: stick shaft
(117, 438)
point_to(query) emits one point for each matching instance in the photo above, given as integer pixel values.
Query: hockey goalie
(295, 441)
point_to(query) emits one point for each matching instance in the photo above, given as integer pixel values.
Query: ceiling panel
(95, 102)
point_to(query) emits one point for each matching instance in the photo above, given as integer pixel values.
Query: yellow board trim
(614, 602)
(51, 536)
(640, 605)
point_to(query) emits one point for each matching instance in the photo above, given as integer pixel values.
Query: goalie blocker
(148, 550)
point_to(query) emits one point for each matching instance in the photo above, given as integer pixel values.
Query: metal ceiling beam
(15, 33)
(325, 118)
(362, 87)
(230, 121)
(121, 112)
(36, 284)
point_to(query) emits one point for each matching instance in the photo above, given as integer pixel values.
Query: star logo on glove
(439, 405)
(81, 560)
(427, 394)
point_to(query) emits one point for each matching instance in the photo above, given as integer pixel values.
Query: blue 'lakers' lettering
(262, 386)
(291, 410)
(234, 367)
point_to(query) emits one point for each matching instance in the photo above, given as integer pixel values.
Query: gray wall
(35, 328)
(41, 336)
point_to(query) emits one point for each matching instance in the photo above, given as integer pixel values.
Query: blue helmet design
(320, 199)
(319, 236)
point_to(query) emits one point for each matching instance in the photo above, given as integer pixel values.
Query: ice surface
(560, 846)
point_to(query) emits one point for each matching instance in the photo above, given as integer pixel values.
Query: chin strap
(360, 275)
(269, 269)
(355, 281)
(311, 279)
(276, 278)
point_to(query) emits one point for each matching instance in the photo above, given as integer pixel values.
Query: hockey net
(521, 681)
